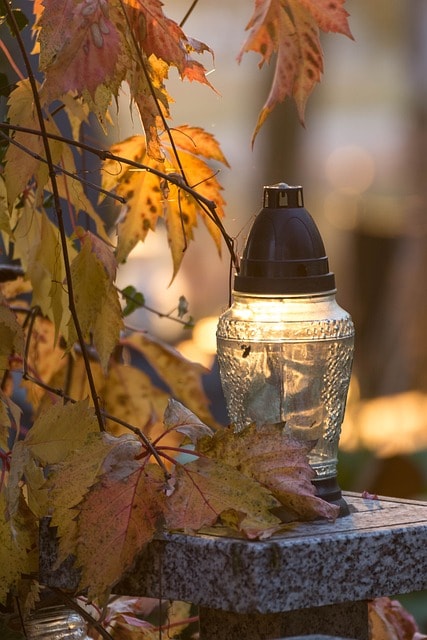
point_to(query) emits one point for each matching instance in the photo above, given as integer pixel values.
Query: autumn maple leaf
(277, 461)
(388, 619)
(81, 46)
(290, 28)
(148, 198)
(184, 378)
(209, 492)
(93, 271)
(91, 47)
(117, 518)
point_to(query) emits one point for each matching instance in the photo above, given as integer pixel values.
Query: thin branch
(60, 170)
(153, 92)
(90, 619)
(208, 206)
(189, 12)
(58, 211)
(149, 445)
(159, 314)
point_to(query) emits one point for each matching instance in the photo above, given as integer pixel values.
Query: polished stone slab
(313, 578)
(379, 549)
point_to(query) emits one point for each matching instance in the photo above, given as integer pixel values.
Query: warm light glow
(350, 169)
(388, 425)
(202, 347)
(204, 334)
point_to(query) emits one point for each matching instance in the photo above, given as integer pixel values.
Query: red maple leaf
(290, 28)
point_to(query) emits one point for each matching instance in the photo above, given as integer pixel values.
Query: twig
(189, 12)
(59, 169)
(149, 445)
(72, 603)
(59, 214)
(207, 205)
(159, 314)
(153, 92)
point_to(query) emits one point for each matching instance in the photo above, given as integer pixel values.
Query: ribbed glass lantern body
(288, 360)
(56, 623)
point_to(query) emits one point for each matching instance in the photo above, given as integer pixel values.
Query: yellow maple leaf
(207, 489)
(73, 192)
(10, 416)
(61, 428)
(149, 197)
(25, 468)
(129, 395)
(11, 335)
(95, 296)
(276, 460)
(18, 550)
(45, 358)
(21, 166)
(183, 377)
(37, 245)
(5, 225)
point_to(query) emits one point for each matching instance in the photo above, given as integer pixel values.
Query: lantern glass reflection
(288, 360)
(285, 346)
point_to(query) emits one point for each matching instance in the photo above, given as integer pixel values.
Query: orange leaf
(206, 489)
(290, 28)
(388, 620)
(118, 517)
(277, 461)
(80, 47)
(165, 39)
(148, 197)
(330, 16)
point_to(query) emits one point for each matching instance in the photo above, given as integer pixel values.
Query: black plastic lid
(284, 252)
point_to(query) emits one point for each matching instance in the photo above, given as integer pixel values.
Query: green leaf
(134, 300)
(20, 19)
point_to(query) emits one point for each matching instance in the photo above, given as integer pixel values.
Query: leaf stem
(149, 445)
(186, 323)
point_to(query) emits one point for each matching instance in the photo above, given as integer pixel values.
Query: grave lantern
(285, 346)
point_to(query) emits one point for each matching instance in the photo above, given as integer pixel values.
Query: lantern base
(328, 489)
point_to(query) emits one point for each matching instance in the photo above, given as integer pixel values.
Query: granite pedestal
(313, 579)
